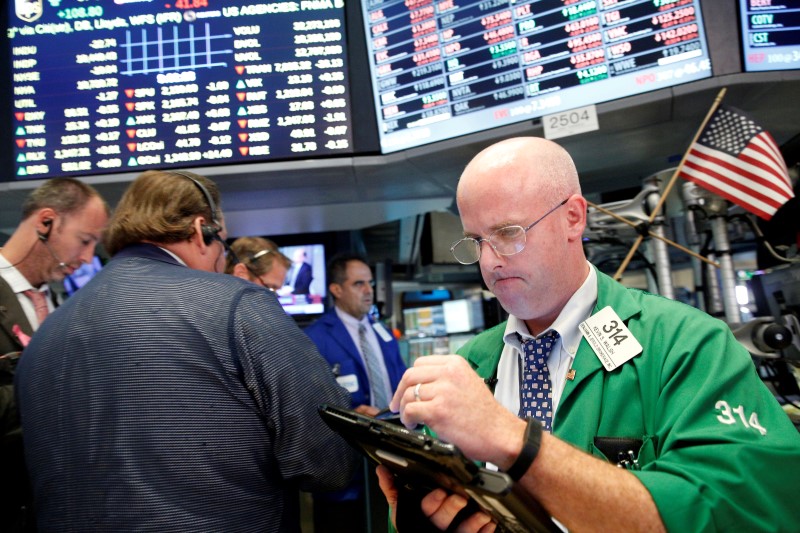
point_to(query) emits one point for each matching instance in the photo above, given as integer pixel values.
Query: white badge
(349, 382)
(610, 339)
(380, 330)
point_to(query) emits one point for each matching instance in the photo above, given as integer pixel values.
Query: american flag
(737, 159)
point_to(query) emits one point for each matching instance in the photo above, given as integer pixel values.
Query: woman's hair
(257, 254)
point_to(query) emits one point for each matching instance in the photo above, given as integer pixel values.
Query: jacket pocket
(621, 451)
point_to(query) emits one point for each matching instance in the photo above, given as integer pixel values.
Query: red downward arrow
(243, 150)
(243, 137)
(131, 133)
(132, 147)
(239, 69)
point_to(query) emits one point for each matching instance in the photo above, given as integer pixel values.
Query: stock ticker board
(444, 68)
(770, 34)
(102, 87)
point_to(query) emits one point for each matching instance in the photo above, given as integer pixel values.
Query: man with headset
(62, 221)
(165, 397)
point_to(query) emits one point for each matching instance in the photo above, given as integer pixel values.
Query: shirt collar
(578, 308)
(350, 320)
(15, 279)
(178, 259)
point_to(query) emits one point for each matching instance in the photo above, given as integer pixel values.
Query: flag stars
(730, 132)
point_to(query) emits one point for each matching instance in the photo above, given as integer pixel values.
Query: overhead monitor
(770, 34)
(101, 87)
(444, 68)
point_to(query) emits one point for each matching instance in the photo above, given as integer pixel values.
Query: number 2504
(568, 119)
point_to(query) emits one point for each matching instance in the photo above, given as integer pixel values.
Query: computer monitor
(770, 35)
(82, 275)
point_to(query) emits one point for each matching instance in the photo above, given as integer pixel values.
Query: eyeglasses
(261, 282)
(509, 240)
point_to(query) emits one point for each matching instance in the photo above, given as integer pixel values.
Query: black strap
(530, 449)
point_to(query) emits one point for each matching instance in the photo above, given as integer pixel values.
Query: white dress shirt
(19, 284)
(578, 309)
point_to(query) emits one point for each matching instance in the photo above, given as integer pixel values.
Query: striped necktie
(380, 397)
(39, 300)
(536, 394)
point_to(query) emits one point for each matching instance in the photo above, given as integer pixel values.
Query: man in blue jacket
(365, 358)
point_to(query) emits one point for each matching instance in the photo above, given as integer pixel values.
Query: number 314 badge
(610, 339)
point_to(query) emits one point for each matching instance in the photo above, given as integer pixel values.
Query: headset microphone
(61, 264)
(44, 237)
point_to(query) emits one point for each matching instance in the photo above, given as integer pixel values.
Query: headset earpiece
(46, 235)
(208, 231)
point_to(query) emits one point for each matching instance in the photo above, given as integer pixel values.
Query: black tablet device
(422, 461)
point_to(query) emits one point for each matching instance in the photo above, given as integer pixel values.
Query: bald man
(702, 443)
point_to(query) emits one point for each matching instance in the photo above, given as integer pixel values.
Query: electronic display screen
(103, 87)
(305, 289)
(82, 275)
(444, 68)
(770, 34)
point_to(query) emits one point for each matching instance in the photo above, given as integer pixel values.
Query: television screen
(103, 87)
(444, 68)
(770, 34)
(82, 275)
(305, 288)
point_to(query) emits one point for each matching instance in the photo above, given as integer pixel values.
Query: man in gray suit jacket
(62, 221)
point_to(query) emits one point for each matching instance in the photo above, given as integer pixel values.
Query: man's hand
(386, 483)
(367, 410)
(438, 506)
(441, 508)
(444, 393)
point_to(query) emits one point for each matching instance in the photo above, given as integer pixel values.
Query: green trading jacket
(694, 399)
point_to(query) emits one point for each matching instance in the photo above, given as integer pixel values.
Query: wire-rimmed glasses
(509, 240)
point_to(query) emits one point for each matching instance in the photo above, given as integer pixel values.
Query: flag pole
(653, 235)
(671, 183)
